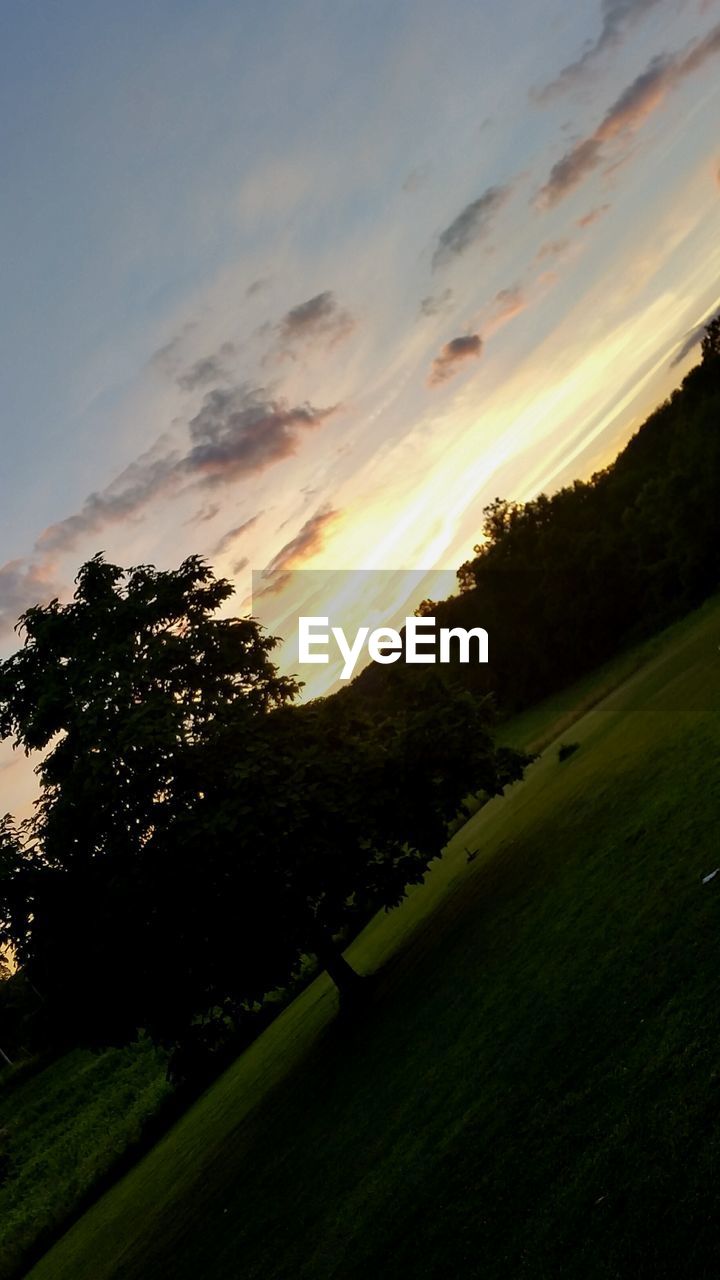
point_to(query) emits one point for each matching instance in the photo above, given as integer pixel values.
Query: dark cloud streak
(471, 225)
(618, 19)
(453, 355)
(318, 319)
(436, 304)
(627, 114)
(233, 534)
(692, 340)
(309, 539)
(208, 370)
(238, 432)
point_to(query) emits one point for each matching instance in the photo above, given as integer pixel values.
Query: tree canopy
(122, 690)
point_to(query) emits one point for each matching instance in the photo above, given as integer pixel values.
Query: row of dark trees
(562, 583)
(197, 834)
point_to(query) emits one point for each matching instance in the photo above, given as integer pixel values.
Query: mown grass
(535, 728)
(534, 1090)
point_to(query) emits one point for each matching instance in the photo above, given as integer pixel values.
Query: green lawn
(535, 1090)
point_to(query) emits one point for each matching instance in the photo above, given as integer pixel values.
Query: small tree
(350, 809)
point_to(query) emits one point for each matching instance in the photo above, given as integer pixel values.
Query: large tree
(122, 691)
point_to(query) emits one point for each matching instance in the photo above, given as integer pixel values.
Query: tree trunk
(348, 982)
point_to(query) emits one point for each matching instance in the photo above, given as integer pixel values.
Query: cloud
(436, 304)
(318, 319)
(416, 179)
(207, 370)
(593, 215)
(447, 364)
(627, 114)
(152, 474)
(618, 18)
(470, 226)
(167, 357)
(508, 303)
(569, 171)
(309, 539)
(205, 514)
(22, 585)
(233, 534)
(257, 286)
(552, 249)
(692, 339)
(237, 432)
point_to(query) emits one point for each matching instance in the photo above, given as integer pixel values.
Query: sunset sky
(307, 284)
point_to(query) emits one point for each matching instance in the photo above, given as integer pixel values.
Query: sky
(305, 285)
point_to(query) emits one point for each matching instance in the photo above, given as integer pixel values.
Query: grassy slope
(65, 1127)
(535, 1091)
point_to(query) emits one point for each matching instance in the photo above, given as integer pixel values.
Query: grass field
(66, 1126)
(535, 1089)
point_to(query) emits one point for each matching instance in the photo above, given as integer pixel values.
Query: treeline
(561, 583)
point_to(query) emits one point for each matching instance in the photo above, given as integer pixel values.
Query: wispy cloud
(208, 370)
(258, 286)
(237, 432)
(23, 584)
(627, 114)
(593, 215)
(416, 179)
(507, 304)
(319, 319)
(152, 474)
(618, 19)
(472, 224)
(309, 539)
(436, 304)
(306, 543)
(691, 340)
(452, 357)
(232, 535)
(205, 514)
(552, 249)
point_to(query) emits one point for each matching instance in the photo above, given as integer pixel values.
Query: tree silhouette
(124, 689)
(350, 806)
(711, 343)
